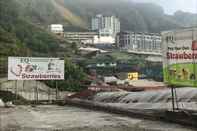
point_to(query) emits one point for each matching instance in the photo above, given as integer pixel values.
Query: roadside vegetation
(75, 78)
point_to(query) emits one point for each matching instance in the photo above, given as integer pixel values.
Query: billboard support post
(173, 102)
(36, 92)
(174, 98)
(56, 86)
(23, 92)
(48, 94)
(16, 90)
(177, 103)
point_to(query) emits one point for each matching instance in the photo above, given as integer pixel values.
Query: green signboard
(180, 57)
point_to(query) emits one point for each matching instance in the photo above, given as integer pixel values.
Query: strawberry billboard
(180, 57)
(35, 68)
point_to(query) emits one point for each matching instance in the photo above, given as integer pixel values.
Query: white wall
(57, 28)
(104, 40)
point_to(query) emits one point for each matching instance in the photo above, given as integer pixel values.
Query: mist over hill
(185, 18)
(77, 14)
(146, 17)
(46, 12)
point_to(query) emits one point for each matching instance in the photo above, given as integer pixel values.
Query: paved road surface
(44, 118)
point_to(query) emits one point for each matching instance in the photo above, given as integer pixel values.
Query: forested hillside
(21, 36)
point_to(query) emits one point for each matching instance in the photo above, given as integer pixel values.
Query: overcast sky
(171, 6)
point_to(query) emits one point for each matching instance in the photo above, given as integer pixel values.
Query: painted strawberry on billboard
(17, 70)
(194, 45)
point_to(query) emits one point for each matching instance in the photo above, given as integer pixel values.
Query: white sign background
(35, 68)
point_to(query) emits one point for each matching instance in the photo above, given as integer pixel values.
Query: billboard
(35, 68)
(133, 76)
(180, 57)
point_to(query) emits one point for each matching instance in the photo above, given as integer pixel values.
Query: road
(50, 117)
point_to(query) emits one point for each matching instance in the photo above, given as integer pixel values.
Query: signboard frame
(180, 57)
(35, 68)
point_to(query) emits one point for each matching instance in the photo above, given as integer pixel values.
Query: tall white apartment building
(102, 23)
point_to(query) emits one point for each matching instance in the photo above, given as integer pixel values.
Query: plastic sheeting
(1, 103)
(159, 96)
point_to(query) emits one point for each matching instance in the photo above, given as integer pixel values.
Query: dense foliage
(125, 62)
(74, 78)
(23, 37)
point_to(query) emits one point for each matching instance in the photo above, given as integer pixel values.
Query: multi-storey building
(145, 42)
(81, 37)
(110, 23)
(96, 23)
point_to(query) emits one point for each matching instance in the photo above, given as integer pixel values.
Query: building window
(169, 39)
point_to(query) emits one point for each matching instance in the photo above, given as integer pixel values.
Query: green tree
(74, 78)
